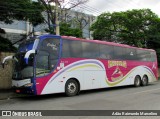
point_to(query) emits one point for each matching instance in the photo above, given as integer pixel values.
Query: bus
(50, 64)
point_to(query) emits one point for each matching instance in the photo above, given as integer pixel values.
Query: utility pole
(56, 18)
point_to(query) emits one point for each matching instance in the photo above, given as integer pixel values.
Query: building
(18, 29)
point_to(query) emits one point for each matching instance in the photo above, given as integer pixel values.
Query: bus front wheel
(137, 81)
(71, 87)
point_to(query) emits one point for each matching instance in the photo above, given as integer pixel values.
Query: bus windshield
(23, 70)
(46, 58)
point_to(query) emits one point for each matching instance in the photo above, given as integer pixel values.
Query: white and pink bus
(60, 64)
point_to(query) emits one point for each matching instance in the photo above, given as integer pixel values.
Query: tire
(144, 80)
(137, 81)
(71, 88)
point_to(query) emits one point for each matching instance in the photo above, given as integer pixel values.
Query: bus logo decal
(117, 63)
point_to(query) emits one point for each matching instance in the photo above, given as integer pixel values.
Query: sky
(97, 7)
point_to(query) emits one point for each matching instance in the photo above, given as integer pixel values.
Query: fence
(6, 73)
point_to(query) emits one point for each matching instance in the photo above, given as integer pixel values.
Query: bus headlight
(28, 85)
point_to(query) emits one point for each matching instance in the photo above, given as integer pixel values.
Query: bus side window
(118, 53)
(153, 56)
(75, 49)
(71, 48)
(42, 60)
(130, 54)
(143, 55)
(90, 50)
(148, 56)
(48, 53)
(106, 52)
(66, 48)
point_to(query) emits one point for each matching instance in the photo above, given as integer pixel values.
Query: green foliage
(135, 27)
(140, 28)
(158, 56)
(6, 45)
(18, 10)
(21, 10)
(67, 30)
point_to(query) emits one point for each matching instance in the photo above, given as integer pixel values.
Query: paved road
(120, 98)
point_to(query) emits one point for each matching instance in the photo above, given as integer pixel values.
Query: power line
(89, 8)
(94, 9)
(86, 7)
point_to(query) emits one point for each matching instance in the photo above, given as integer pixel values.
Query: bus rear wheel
(137, 81)
(144, 80)
(71, 88)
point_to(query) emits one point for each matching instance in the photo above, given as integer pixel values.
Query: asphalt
(10, 94)
(118, 98)
(7, 94)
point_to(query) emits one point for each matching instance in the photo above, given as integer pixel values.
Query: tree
(21, 10)
(154, 35)
(6, 45)
(26, 10)
(63, 7)
(80, 20)
(66, 30)
(130, 27)
(139, 28)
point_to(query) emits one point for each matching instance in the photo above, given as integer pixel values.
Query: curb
(11, 96)
(6, 94)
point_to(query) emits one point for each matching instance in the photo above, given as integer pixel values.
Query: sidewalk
(7, 94)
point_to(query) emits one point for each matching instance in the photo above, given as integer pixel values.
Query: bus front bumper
(23, 86)
(24, 90)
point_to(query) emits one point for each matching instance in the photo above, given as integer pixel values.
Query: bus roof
(104, 42)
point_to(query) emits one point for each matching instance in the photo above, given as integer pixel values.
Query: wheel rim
(137, 81)
(144, 80)
(71, 87)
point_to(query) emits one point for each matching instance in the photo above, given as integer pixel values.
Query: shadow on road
(82, 93)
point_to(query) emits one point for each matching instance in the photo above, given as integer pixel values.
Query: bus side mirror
(3, 65)
(5, 59)
(28, 54)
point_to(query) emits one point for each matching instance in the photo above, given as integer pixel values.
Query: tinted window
(71, 48)
(106, 52)
(47, 55)
(90, 50)
(143, 55)
(119, 53)
(75, 49)
(42, 63)
(130, 54)
(153, 56)
(148, 56)
(42, 60)
(51, 46)
(66, 48)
